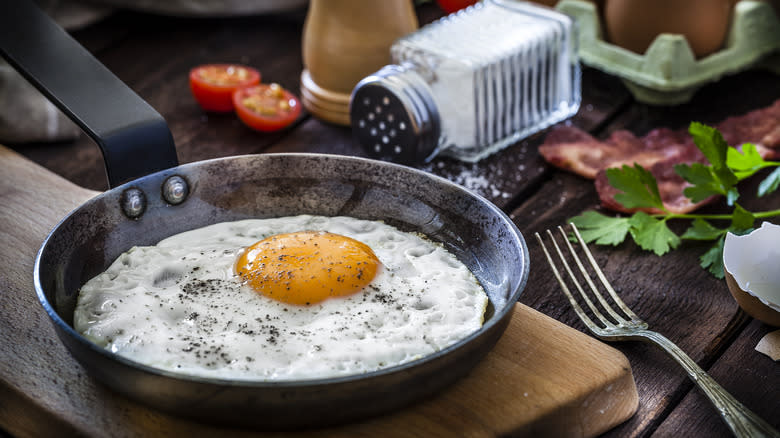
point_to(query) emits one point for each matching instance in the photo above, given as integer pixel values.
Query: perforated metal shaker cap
(393, 116)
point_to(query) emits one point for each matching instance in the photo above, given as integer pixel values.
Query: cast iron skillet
(162, 198)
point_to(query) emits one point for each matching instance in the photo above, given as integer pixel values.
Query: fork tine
(741, 421)
(605, 321)
(601, 276)
(595, 290)
(580, 312)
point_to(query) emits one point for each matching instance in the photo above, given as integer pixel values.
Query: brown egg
(634, 24)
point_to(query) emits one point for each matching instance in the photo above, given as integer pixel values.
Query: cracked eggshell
(752, 267)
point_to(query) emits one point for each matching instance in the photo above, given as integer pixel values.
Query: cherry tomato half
(213, 84)
(266, 107)
(450, 6)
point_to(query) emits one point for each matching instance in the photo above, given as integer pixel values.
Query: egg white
(179, 306)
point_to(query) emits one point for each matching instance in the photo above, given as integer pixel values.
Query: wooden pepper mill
(343, 42)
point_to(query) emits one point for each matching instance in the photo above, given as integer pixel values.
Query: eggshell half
(752, 267)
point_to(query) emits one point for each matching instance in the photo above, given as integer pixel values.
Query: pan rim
(497, 318)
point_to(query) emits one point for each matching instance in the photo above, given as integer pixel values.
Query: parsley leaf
(741, 220)
(702, 230)
(770, 183)
(604, 230)
(712, 260)
(710, 142)
(745, 163)
(708, 180)
(638, 188)
(638, 185)
(652, 234)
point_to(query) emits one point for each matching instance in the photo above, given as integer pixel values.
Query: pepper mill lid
(343, 42)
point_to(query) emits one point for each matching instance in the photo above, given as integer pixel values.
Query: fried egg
(281, 299)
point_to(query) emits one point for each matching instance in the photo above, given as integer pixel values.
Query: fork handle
(741, 420)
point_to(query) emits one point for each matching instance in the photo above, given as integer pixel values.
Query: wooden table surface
(153, 55)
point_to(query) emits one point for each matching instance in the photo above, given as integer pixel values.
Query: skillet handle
(134, 138)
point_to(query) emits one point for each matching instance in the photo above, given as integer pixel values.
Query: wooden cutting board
(543, 378)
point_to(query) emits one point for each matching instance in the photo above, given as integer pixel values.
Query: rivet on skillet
(133, 203)
(175, 190)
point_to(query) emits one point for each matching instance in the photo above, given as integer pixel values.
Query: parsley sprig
(638, 188)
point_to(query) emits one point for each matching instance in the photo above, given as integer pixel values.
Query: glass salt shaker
(470, 84)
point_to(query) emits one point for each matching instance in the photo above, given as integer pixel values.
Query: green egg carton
(669, 73)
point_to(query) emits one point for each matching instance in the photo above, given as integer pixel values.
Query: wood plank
(179, 42)
(104, 34)
(543, 378)
(50, 194)
(672, 293)
(731, 96)
(669, 293)
(504, 178)
(159, 76)
(751, 377)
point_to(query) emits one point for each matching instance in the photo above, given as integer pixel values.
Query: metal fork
(628, 326)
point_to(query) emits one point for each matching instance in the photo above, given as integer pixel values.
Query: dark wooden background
(153, 55)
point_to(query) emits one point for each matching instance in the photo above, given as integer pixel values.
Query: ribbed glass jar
(470, 84)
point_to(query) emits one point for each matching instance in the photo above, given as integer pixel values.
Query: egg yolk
(307, 267)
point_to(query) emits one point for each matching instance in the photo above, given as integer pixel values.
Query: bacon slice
(760, 127)
(575, 150)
